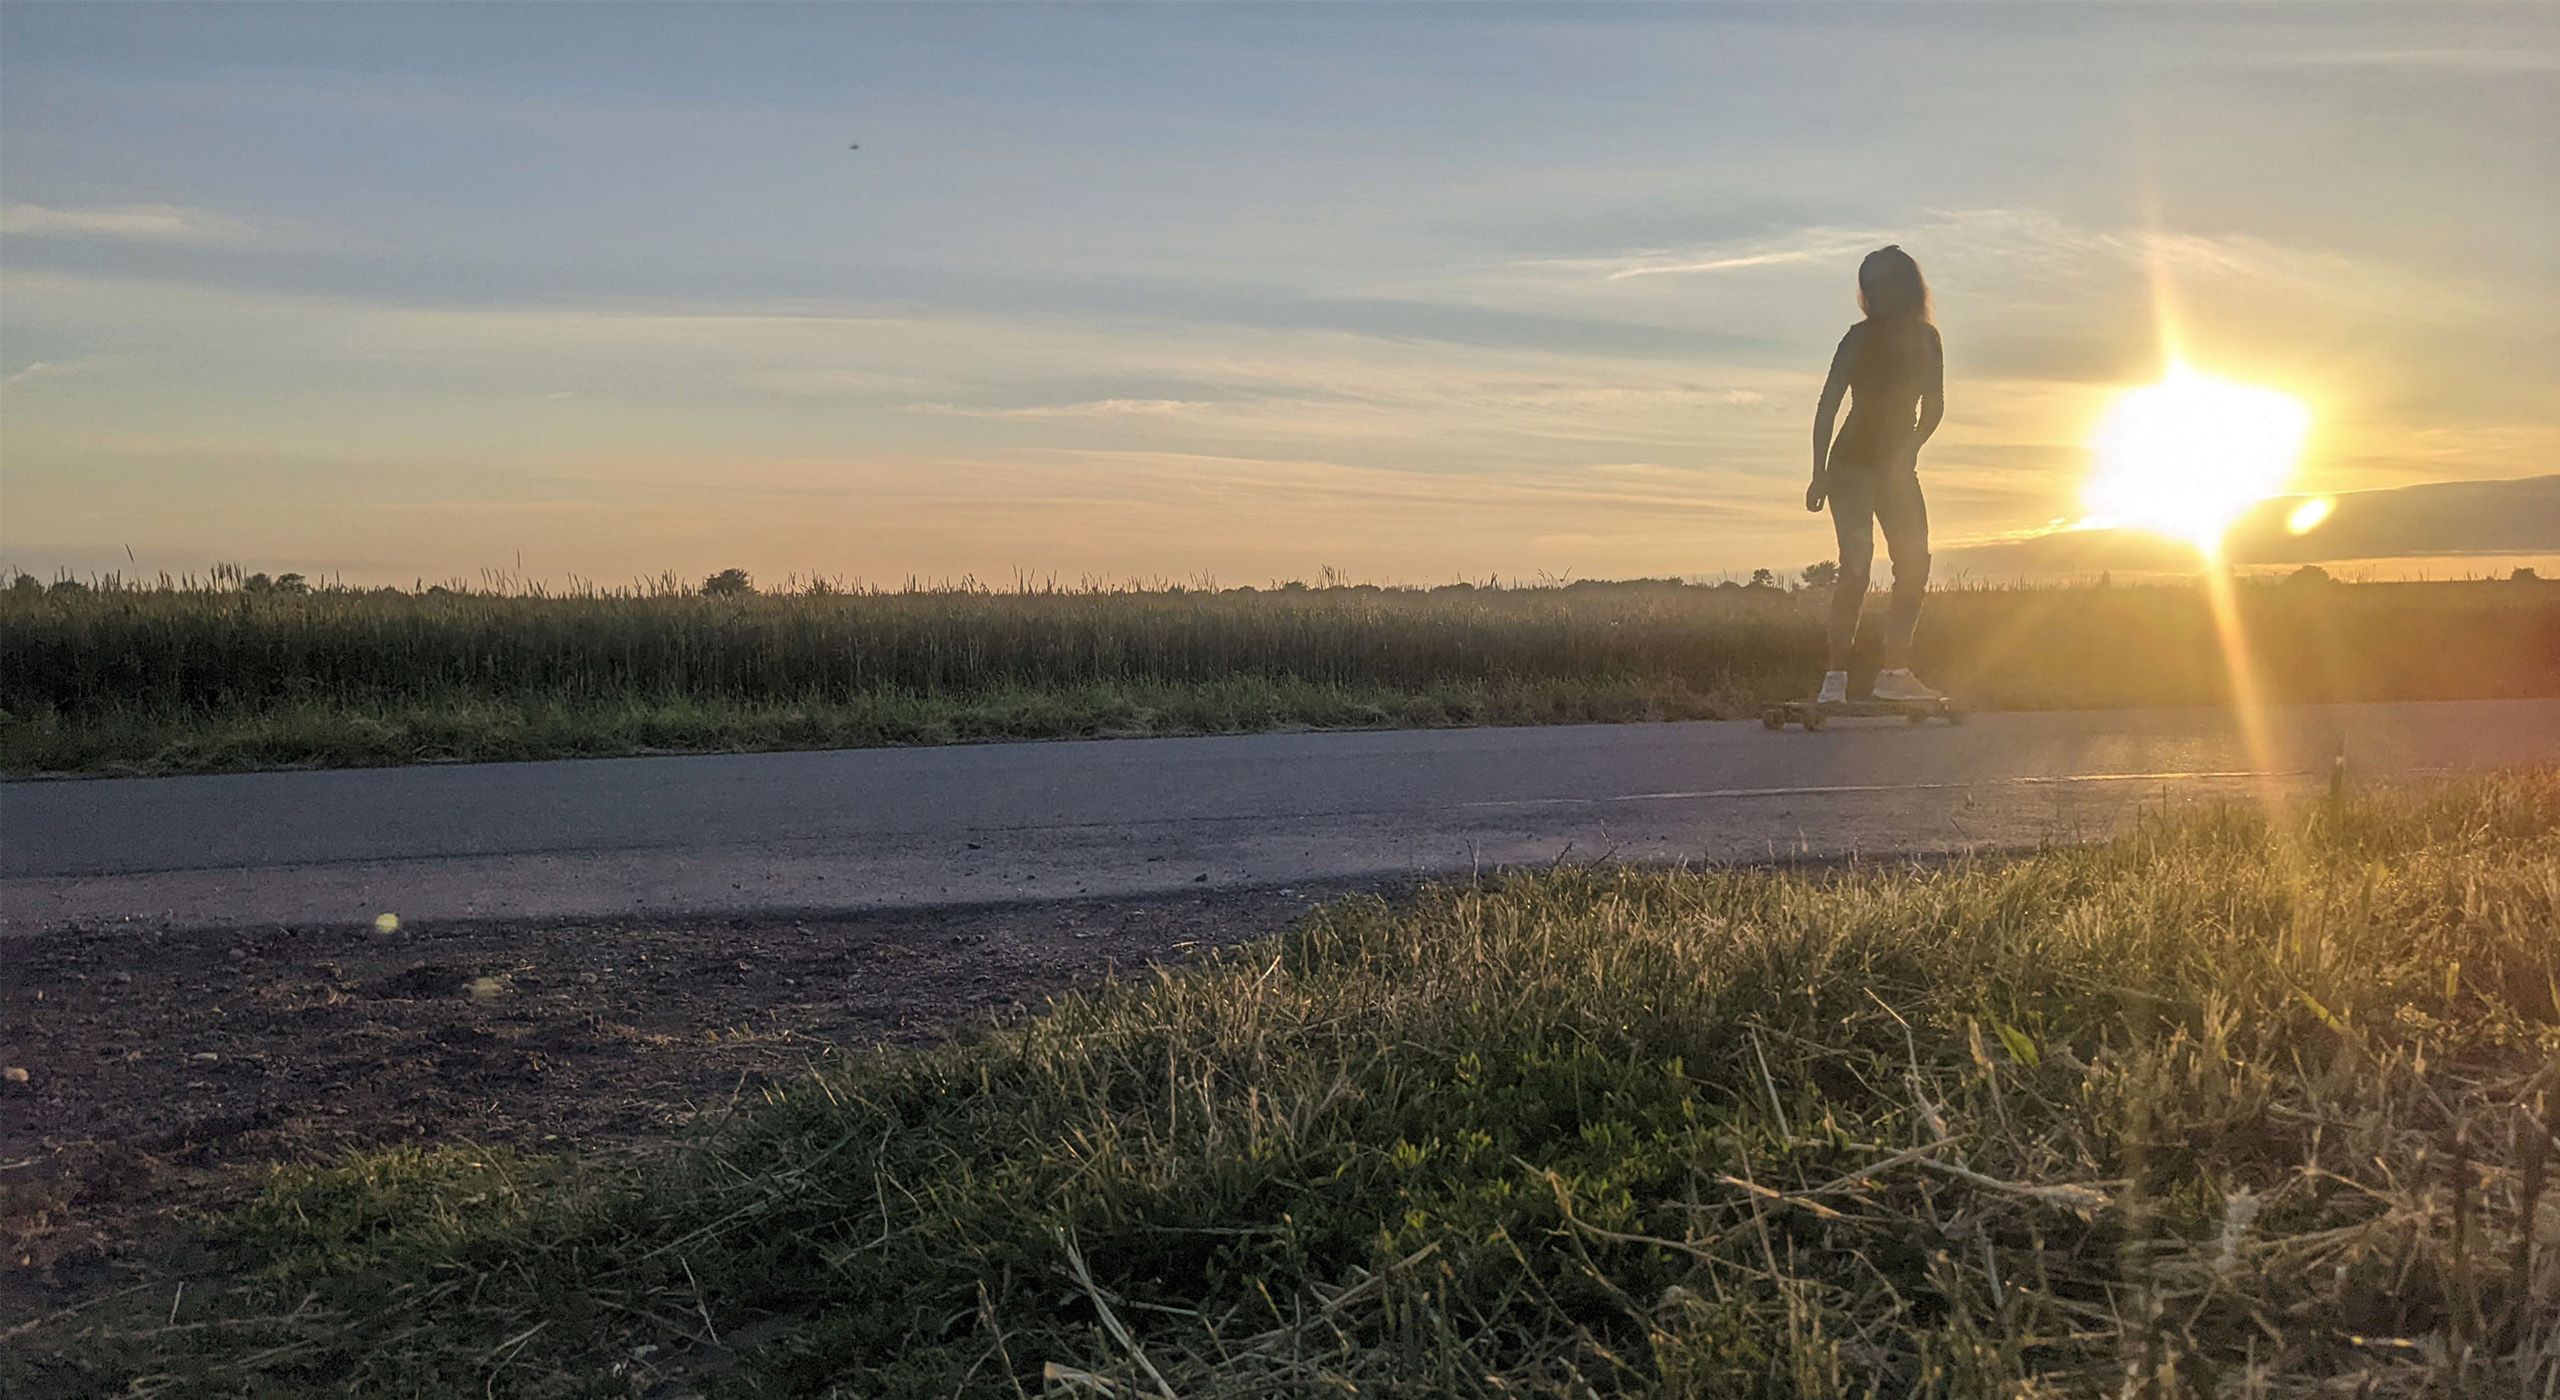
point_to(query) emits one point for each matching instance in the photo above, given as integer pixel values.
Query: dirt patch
(162, 1070)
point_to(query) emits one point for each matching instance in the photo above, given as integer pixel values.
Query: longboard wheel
(1813, 719)
(1773, 718)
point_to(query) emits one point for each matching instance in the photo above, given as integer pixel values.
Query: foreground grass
(172, 680)
(2222, 1107)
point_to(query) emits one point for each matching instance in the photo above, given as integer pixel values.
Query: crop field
(200, 679)
(2241, 1103)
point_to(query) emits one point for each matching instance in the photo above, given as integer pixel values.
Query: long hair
(1890, 287)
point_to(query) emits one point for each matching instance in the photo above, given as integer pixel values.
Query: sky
(410, 292)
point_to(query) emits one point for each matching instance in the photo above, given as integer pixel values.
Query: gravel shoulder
(165, 1070)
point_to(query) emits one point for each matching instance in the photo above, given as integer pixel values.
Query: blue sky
(407, 291)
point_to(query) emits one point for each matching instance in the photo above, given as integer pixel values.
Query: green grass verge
(470, 728)
(2227, 1106)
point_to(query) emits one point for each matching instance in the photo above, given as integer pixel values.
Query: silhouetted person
(1894, 370)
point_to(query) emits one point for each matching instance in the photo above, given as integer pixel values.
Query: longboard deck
(1814, 714)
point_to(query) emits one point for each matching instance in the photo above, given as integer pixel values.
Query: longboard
(1814, 714)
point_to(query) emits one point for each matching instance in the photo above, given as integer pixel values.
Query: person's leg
(1904, 514)
(1853, 523)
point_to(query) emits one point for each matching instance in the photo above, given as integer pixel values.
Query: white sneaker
(1900, 685)
(1835, 689)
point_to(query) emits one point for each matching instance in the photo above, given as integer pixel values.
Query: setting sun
(2187, 455)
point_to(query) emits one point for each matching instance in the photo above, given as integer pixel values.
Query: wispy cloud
(149, 223)
(2452, 60)
(2002, 236)
(1198, 386)
(830, 383)
(60, 369)
(1090, 408)
(1801, 246)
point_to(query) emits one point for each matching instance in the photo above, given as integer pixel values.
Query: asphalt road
(759, 834)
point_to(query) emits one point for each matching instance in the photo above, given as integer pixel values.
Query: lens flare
(2186, 456)
(2307, 516)
(2160, 451)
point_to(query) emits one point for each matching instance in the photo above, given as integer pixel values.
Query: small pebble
(204, 1057)
(14, 1075)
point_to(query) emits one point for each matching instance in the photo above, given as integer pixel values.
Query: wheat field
(175, 679)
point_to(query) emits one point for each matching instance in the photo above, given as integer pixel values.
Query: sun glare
(2187, 455)
(2307, 516)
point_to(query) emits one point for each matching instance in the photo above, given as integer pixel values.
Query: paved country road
(754, 834)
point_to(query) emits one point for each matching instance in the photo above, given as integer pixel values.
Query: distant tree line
(738, 583)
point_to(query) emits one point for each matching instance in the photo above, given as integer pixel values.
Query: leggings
(1863, 498)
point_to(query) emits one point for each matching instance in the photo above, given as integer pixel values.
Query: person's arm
(1933, 395)
(1826, 416)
